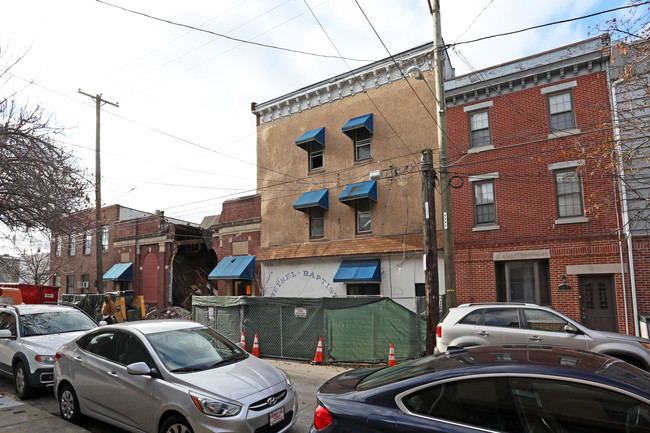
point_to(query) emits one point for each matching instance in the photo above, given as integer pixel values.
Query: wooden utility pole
(430, 248)
(443, 156)
(98, 188)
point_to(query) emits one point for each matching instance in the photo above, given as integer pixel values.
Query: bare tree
(626, 158)
(41, 183)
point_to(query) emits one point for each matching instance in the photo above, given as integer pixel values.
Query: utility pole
(430, 248)
(443, 156)
(98, 189)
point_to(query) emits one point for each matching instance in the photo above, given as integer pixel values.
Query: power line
(546, 25)
(244, 41)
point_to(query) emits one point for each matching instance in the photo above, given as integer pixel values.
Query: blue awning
(317, 135)
(234, 268)
(312, 199)
(359, 271)
(358, 122)
(120, 272)
(356, 191)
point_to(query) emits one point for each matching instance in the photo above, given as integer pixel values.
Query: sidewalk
(16, 416)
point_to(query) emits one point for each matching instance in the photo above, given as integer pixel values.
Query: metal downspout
(624, 210)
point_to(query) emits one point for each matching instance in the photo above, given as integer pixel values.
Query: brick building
(164, 259)
(327, 228)
(535, 221)
(236, 241)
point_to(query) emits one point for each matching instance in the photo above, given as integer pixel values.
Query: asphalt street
(306, 378)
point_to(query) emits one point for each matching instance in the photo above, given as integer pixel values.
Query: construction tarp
(352, 329)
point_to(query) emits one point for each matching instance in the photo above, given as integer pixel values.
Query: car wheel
(68, 404)
(175, 424)
(21, 381)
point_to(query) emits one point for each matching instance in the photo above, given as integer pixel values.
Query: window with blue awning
(359, 271)
(316, 135)
(234, 268)
(365, 122)
(312, 199)
(119, 272)
(356, 191)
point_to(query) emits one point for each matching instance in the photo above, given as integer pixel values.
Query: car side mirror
(138, 369)
(5, 333)
(571, 329)
(103, 323)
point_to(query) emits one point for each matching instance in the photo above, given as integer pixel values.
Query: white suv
(29, 338)
(509, 323)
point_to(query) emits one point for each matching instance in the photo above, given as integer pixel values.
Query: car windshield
(55, 322)
(188, 350)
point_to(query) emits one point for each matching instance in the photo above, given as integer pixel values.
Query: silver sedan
(170, 376)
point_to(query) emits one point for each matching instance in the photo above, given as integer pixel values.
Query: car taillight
(439, 331)
(322, 418)
(57, 356)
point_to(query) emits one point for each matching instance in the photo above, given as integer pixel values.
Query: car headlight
(215, 406)
(287, 379)
(45, 359)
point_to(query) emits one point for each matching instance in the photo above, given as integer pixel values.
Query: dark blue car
(535, 389)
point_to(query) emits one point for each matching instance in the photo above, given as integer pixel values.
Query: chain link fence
(358, 329)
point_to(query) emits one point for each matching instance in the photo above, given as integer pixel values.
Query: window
(105, 239)
(73, 245)
(85, 283)
(473, 318)
(69, 284)
(504, 317)
(362, 144)
(241, 288)
(364, 216)
(540, 320)
(479, 128)
(566, 406)
(560, 108)
(87, 239)
(316, 222)
(486, 403)
(523, 281)
(568, 192)
(315, 155)
(130, 350)
(484, 209)
(100, 344)
(56, 281)
(362, 289)
(58, 246)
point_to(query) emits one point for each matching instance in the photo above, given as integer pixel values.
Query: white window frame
(361, 144)
(88, 236)
(72, 247)
(314, 154)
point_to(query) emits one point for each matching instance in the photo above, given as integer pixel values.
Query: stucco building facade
(327, 228)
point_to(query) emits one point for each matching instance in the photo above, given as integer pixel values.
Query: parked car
(514, 389)
(501, 323)
(29, 338)
(171, 376)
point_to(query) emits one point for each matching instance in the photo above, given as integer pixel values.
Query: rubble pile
(169, 313)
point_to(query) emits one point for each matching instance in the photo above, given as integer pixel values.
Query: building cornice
(539, 70)
(360, 80)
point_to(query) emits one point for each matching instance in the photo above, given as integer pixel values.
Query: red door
(150, 278)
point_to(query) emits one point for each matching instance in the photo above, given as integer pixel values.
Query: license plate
(276, 416)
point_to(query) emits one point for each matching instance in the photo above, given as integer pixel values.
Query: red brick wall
(525, 193)
(242, 209)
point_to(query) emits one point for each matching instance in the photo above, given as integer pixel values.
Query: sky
(185, 73)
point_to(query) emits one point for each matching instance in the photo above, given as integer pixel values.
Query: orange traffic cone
(242, 342)
(318, 359)
(391, 356)
(256, 347)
